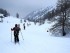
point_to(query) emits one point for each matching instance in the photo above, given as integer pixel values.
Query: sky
(24, 7)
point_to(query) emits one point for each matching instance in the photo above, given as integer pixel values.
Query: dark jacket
(16, 30)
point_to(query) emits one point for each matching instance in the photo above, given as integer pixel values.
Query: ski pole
(11, 36)
(22, 36)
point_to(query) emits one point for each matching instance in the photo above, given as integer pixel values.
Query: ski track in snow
(36, 39)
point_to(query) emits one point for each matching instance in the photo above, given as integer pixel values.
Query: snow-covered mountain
(38, 14)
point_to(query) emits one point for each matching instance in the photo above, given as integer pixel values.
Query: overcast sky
(24, 7)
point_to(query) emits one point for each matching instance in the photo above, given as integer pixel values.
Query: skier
(16, 30)
(24, 26)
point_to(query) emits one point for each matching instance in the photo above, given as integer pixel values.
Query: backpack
(16, 29)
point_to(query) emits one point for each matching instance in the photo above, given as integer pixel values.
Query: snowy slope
(36, 39)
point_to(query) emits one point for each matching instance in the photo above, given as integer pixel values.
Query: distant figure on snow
(24, 26)
(16, 30)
